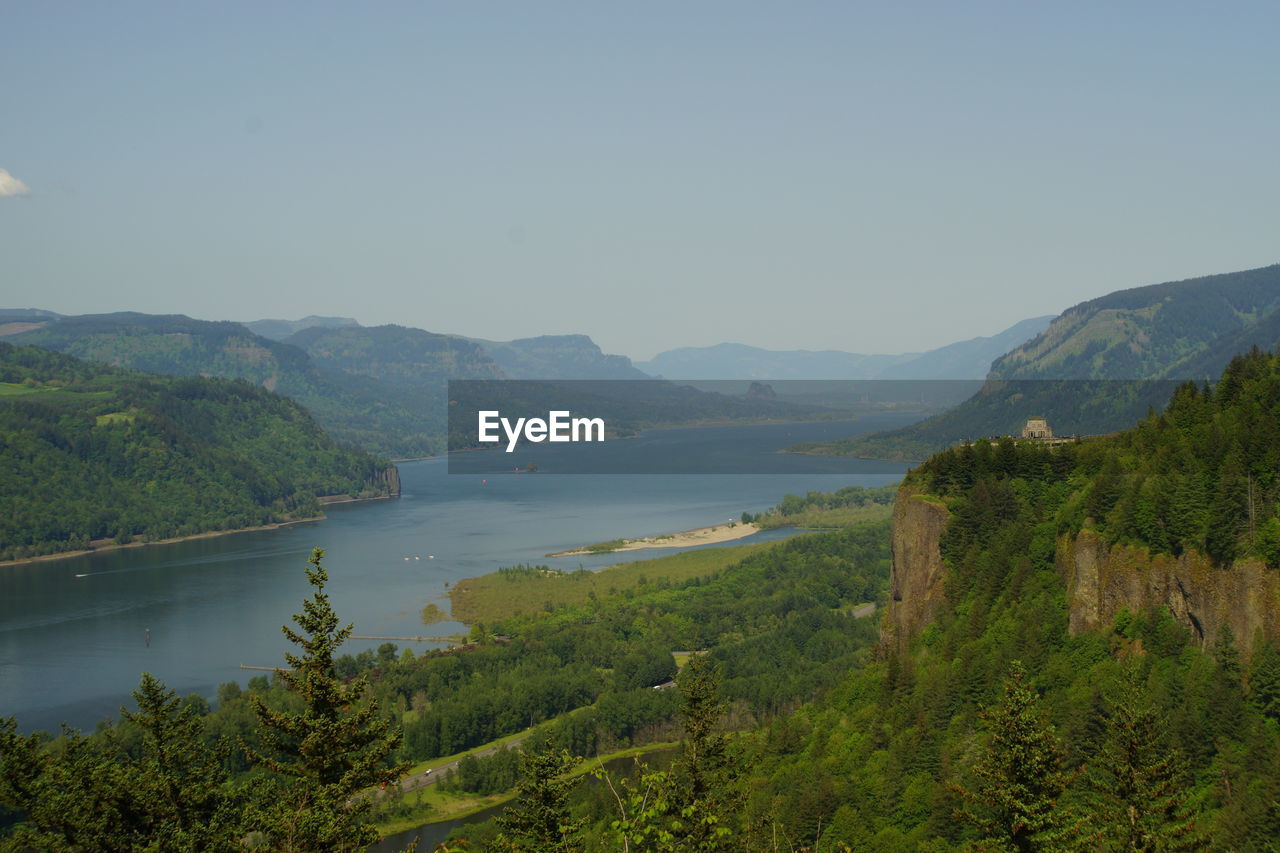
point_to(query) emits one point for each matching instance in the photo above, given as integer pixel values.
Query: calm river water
(74, 632)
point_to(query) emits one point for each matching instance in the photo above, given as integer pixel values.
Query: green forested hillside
(355, 410)
(1085, 373)
(1204, 474)
(994, 728)
(997, 728)
(1145, 332)
(897, 744)
(91, 452)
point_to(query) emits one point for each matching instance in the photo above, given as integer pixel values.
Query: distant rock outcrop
(559, 357)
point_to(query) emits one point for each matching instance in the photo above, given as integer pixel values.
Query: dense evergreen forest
(995, 729)
(90, 452)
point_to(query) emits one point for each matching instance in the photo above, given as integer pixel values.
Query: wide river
(76, 633)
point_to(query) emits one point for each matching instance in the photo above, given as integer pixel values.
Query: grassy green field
(50, 394)
(494, 597)
(15, 389)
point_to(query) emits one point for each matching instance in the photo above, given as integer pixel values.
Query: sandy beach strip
(698, 536)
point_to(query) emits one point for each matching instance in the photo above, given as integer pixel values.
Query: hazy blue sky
(874, 177)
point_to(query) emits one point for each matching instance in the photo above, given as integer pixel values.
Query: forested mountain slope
(1000, 718)
(361, 412)
(92, 452)
(1189, 499)
(1086, 372)
(1146, 332)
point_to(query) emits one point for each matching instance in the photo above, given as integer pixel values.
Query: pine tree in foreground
(328, 753)
(538, 820)
(90, 794)
(1016, 804)
(1141, 779)
(704, 774)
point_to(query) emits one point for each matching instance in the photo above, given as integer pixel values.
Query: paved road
(434, 774)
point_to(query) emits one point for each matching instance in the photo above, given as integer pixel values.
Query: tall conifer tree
(1141, 779)
(331, 750)
(1016, 803)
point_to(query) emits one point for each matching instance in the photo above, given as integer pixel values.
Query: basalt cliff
(1101, 579)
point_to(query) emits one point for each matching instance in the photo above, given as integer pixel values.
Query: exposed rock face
(390, 478)
(1101, 579)
(917, 573)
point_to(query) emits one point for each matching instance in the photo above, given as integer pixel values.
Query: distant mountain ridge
(558, 357)
(1156, 331)
(362, 413)
(380, 388)
(278, 330)
(1100, 365)
(970, 359)
(541, 357)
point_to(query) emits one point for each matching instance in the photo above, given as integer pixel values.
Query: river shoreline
(113, 546)
(109, 545)
(713, 535)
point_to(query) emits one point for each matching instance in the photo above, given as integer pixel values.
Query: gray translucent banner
(765, 427)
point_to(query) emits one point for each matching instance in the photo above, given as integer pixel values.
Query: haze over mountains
(383, 388)
(969, 359)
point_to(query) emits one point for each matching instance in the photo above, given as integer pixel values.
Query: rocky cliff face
(917, 572)
(1100, 579)
(389, 478)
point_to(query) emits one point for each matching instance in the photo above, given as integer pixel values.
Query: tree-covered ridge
(1101, 364)
(996, 728)
(356, 410)
(90, 452)
(397, 355)
(1146, 332)
(1204, 474)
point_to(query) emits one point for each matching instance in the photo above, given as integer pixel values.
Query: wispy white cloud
(11, 186)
